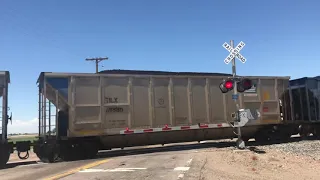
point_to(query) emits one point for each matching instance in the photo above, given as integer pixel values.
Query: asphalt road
(31, 170)
(150, 162)
(152, 166)
(174, 161)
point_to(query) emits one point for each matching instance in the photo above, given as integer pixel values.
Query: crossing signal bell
(242, 85)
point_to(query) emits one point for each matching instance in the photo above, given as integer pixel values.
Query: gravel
(309, 148)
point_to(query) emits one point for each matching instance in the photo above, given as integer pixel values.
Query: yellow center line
(64, 174)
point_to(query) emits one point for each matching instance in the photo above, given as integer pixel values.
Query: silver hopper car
(121, 108)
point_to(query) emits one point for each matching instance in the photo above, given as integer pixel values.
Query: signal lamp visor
(223, 88)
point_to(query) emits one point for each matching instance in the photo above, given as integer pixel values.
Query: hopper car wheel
(78, 151)
(285, 136)
(4, 155)
(46, 151)
(262, 136)
(317, 132)
(245, 138)
(91, 149)
(48, 159)
(82, 151)
(304, 131)
(47, 155)
(68, 152)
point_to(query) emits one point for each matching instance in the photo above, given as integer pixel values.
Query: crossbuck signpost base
(235, 52)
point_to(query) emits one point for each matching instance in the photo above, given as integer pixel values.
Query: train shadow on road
(20, 163)
(175, 147)
(251, 145)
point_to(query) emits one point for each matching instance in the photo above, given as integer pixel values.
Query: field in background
(29, 137)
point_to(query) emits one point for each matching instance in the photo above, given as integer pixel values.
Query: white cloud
(23, 126)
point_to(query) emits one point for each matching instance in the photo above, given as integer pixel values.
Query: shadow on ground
(251, 145)
(15, 164)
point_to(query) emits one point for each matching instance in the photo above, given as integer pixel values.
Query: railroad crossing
(235, 53)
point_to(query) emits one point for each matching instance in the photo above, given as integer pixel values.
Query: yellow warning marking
(64, 174)
(266, 96)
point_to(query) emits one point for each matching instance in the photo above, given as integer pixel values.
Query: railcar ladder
(47, 125)
(50, 118)
(2, 119)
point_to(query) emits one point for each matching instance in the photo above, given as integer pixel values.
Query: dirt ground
(230, 164)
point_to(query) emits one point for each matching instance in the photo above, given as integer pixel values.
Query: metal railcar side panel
(107, 104)
(86, 104)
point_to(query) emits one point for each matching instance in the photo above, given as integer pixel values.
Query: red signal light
(226, 86)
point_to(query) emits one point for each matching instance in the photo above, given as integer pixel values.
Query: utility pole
(97, 60)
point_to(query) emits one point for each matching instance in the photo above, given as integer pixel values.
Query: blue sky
(182, 35)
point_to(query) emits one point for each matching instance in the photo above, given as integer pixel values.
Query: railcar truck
(7, 147)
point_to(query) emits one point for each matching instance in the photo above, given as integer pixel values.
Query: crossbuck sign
(234, 52)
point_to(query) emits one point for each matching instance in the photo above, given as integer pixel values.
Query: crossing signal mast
(237, 84)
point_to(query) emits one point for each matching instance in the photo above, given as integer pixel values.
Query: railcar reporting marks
(114, 109)
(234, 52)
(109, 100)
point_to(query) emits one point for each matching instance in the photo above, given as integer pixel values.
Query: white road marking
(112, 170)
(184, 169)
(133, 168)
(41, 162)
(181, 168)
(189, 162)
(201, 142)
(180, 176)
(35, 164)
(92, 170)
